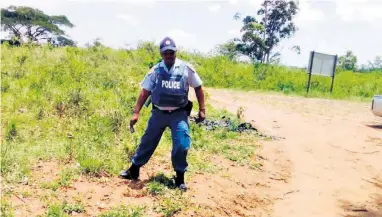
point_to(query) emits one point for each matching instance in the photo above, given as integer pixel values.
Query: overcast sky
(327, 26)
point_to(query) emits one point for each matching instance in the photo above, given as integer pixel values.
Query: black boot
(179, 181)
(132, 173)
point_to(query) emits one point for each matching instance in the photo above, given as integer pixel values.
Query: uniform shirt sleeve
(148, 82)
(193, 78)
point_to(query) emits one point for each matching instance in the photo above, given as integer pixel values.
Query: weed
(6, 208)
(172, 202)
(53, 185)
(67, 175)
(155, 188)
(11, 131)
(124, 211)
(56, 210)
(73, 208)
(159, 184)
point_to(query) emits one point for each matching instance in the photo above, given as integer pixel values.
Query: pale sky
(327, 26)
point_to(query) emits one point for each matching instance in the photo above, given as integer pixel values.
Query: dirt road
(331, 154)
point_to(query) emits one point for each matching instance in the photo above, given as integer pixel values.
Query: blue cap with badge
(167, 44)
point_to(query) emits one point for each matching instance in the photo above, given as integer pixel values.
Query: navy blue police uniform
(169, 94)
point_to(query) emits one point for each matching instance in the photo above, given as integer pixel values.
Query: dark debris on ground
(230, 125)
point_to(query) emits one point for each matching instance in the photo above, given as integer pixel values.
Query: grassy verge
(73, 106)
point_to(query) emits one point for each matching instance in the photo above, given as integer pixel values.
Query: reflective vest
(170, 89)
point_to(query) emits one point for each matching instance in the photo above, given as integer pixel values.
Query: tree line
(348, 61)
(261, 33)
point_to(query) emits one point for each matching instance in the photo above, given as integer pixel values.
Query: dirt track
(331, 157)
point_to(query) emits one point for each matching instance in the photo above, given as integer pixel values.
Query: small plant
(73, 208)
(240, 113)
(163, 179)
(66, 176)
(12, 132)
(64, 180)
(124, 211)
(172, 203)
(117, 120)
(92, 166)
(158, 184)
(56, 210)
(53, 185)
(6, 208)
(155, 188)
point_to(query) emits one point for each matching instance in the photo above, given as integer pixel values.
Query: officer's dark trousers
(178, 123)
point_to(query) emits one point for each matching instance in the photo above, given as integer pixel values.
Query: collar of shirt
(176, 64)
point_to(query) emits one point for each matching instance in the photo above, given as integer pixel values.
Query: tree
(348, 61)
(251, 43)
(32, 25)
(63, 41)
(262, 36)
(228, 49)
(377, 64)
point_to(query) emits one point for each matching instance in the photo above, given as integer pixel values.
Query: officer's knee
(182, 140)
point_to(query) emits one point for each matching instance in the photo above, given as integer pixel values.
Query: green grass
(159, 184)
(65, 179)
(56, 210)
(124, 211)
(6, 208)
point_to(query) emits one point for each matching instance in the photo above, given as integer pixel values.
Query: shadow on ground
(375, 126)
(163, 179)
(369, 208)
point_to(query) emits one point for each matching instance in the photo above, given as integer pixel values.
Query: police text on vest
(171, 84)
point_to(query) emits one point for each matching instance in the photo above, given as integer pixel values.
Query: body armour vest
(170, 89)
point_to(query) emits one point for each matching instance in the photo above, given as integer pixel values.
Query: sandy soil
(332, 151)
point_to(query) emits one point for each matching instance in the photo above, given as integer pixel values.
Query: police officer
(168, 83)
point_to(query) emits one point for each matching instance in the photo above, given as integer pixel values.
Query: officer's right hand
(201, 116)
(134, 119)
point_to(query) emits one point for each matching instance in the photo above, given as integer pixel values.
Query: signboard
(321, 64)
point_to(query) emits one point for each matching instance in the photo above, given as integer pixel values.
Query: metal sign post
(321, 64)
(310, 70)
(334, 69)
